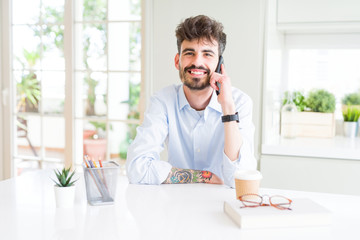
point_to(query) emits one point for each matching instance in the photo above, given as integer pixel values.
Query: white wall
(242, 20)
(1, 115)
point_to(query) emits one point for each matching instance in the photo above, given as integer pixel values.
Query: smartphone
(218, 70)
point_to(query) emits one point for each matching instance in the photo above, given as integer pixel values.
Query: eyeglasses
(255, 200)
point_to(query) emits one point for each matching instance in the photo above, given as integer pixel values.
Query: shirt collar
(214, 104)
(182, 99)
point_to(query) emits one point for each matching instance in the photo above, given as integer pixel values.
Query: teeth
(197, 73)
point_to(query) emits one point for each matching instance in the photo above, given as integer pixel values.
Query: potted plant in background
(320, 121)
(95, 143)
(315, 116)
(351, 99)
(28, 95)
(297, 98)
(64, 188)
(351, 116)
(321, 101)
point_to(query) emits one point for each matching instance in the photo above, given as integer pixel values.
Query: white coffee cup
(247, 182)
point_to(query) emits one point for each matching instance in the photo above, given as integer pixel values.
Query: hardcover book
(304, 212)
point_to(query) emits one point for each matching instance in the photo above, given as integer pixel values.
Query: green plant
(28, 89)
(29, 92)
(297, 98)
(351, 99)
(64, 177)
(99, 125)
(321, 101)
(351, 114)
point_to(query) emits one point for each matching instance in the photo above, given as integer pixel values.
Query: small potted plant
(351, 116)
(64, 188)
(352, 99)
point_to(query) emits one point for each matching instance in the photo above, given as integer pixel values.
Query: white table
(188, 211)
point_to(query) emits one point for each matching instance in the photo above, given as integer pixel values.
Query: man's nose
(198, 60)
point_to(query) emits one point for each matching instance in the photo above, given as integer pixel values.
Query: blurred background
(76, 77)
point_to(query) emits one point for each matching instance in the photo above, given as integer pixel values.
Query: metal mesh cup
(101, 183)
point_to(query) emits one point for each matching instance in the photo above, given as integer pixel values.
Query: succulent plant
(64, 177)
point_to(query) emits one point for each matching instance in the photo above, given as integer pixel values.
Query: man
(208, 136)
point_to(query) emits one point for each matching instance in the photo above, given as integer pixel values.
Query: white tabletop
(186, 211)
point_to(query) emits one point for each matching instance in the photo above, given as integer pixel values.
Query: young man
(208, 136)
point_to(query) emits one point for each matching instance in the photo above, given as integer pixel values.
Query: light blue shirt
(194, 140)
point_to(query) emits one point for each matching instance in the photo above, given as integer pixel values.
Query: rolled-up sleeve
(143, 163)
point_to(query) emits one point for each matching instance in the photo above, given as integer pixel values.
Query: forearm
(178, 175)
(233, 140)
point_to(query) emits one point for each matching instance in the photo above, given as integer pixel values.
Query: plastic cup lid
(248, 175)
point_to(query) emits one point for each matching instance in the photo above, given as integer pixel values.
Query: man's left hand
(225, 97)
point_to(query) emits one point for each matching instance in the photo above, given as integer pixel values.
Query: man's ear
(177, 58)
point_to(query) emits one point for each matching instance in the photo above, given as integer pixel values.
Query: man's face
(196, 62)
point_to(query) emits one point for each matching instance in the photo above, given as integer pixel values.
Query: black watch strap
(229, 118)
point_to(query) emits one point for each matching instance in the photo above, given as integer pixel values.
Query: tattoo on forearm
(178, 175)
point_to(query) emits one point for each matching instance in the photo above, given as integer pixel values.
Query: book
(305, 212)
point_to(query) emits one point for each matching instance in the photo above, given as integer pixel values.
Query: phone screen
(218, 70)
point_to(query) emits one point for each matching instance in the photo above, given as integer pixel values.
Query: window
(107, 77)
(106, 53)
(303, 62)
(38, 77)
(330, 62)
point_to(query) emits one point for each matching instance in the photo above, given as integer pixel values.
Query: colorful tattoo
(178, 175)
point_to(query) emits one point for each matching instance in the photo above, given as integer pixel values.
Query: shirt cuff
(246, 161)
(229, 168)
(153, 171)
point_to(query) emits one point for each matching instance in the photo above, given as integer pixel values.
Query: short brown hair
(201, 27)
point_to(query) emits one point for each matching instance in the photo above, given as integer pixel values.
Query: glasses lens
(251, 200)
(280, 202)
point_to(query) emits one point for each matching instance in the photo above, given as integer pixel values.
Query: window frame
(7, 89)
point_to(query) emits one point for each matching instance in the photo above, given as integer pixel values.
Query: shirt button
(198, 150)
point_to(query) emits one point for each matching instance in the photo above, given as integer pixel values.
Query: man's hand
(178, 175)
(233, 138)
(225, 97)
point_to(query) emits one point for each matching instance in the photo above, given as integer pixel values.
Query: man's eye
(208, 54)
(189, 53)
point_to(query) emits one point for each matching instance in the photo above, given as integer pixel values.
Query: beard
(195, 83)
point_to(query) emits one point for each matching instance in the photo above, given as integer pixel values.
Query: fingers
(223, 72)
(218, 77)
(213, 83)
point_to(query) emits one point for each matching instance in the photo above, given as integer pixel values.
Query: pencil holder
(101, 182)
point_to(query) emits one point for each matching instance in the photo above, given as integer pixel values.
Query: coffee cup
(247, 182)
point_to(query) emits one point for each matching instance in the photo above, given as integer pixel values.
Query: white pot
(64, 196)
(350, 129)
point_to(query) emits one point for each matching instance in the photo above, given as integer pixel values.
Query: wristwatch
(229, 118)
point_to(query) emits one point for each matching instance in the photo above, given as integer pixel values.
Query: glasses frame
(261, 203)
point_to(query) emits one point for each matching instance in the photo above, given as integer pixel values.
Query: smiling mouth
(197, 72)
